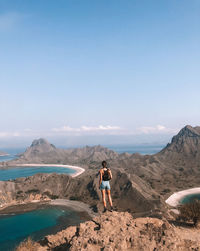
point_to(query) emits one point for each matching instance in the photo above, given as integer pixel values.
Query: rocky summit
(186, 144)
(119, 231)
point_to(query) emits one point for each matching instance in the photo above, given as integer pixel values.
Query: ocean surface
(16, 172)
(36, 224)
(142, 149)
(190, 198)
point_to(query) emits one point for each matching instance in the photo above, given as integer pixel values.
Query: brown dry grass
(190, 212)
(27, 245)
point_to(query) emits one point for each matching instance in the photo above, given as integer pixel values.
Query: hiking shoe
(111, 209)
(105, 209)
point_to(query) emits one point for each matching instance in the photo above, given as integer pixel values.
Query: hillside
(140, 182)
(41, 151)
(185, 145)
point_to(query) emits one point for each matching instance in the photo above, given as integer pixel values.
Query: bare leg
(109, 197)
(103, 197)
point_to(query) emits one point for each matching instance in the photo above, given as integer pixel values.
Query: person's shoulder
(101, 170)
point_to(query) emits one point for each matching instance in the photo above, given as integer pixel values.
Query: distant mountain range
(140, 182)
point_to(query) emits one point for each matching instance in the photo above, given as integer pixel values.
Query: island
(2, 154)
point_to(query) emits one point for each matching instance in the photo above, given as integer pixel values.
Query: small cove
(37, 223)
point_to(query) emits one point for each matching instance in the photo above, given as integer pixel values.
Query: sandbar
(175, 199)
(79, 170)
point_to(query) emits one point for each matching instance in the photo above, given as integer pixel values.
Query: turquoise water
(190, 198)
(16, 172)
(37, 224)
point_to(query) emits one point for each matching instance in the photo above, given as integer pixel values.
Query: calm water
(16, 172)
(190, 198)
(142, 149)
(37, 224)
(12, 153)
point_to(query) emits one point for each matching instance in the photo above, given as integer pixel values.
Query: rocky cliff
(185, 145)
(119, 231)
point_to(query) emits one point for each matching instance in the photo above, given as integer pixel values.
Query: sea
(35, 224)
(40, 222)
(190, 198)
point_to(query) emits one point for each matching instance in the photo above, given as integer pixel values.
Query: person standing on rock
(104, 184)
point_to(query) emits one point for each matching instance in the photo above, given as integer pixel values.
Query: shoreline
(78, 206)
(175, 199)
(79, 170)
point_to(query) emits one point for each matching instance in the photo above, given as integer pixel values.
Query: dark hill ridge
(44, 143)
(185, 145)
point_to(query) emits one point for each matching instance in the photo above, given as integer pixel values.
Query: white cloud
(87, 129)
(9, 134)
(100, 128)
(156, 129)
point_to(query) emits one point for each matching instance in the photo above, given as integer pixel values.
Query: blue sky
(79, 71)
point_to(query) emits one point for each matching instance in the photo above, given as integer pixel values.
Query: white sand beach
(79, 170)
(75, 205)
(175, 199)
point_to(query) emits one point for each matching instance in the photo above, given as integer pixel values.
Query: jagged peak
(41, 141)
(187, 131)
(186, 142)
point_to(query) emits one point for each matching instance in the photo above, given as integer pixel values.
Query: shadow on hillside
(177, 223)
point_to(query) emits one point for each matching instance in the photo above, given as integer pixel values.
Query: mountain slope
(41, 151)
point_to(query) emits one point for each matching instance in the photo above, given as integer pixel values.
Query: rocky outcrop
(185, 145)
(119, 231)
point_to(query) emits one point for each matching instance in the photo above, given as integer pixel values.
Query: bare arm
(100, 177)
(110, 173)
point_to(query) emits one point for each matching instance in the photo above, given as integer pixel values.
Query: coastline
(175, 199)
(75, 205)
(79, 170)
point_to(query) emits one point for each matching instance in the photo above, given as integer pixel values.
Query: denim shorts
(105, 185)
